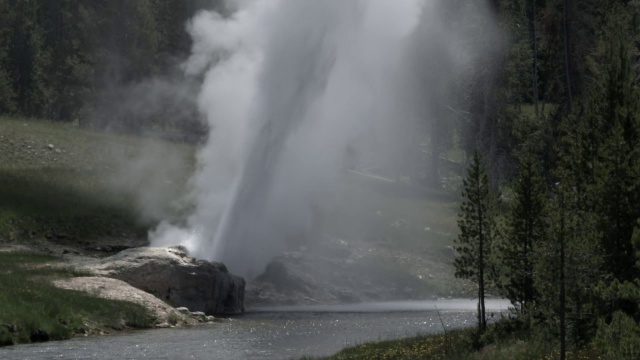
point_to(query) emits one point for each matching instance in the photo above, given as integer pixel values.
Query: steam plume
(293, 91)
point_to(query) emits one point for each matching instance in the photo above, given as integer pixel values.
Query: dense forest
(551, 203)
(70, 60)
(550, 217)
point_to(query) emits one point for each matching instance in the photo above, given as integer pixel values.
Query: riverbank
(502, 341)
(254, 335)
(47, 297)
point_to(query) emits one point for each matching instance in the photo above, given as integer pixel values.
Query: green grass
(498, 344)
(63, 184)
(452, 346)
(88, 185)
(34, 310)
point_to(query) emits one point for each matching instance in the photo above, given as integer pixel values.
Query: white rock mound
(171, 275)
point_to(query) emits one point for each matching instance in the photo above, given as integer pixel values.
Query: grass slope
(501, 342)
(60, 182)
(34, 310)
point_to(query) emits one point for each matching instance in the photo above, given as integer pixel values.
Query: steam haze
(294, 92)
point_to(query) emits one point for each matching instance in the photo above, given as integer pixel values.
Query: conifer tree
(477, 229)
(525, 229)
(569, 257)
(616, 189)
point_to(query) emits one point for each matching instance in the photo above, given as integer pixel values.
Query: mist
(299, 94)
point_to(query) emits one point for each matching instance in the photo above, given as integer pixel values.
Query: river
(269, 333)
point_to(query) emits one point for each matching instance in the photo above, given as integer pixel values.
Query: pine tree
(616, 188)
(477, 229)
(569, 257)
(525, 229)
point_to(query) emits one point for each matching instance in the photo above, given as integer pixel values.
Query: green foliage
(525, 230)
(504, 340)
(618, 339)
(34, 310)
(477, 231)
(568, 262)
(57, 57)
(616, 153)
(456, 344)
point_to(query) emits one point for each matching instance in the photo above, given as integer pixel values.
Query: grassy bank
(33, 310)
(501, 342)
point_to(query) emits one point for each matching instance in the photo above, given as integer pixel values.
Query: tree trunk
(482, 319)
(567, 67)
(563, 340)
(535, 57)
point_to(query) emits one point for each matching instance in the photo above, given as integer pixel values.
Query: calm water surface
(268, 333)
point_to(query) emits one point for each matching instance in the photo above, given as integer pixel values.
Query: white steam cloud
(294, 90)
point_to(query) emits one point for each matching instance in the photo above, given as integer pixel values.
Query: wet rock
(38, 335)
(199, 315)
(171, 275)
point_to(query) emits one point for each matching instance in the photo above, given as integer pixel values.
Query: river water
(269, 333)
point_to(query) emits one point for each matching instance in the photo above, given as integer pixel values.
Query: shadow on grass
(61, 203)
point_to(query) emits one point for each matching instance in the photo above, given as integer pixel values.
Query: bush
(620, 339)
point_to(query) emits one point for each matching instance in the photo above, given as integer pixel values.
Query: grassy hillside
(62, 183)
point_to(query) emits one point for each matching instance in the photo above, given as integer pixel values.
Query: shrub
(620, 339)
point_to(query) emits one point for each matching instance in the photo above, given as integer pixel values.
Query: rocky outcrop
(334, 271)
(171, 275)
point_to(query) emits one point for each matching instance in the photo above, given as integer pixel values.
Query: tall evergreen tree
(525, 230)
(477, 230)
(616, 188)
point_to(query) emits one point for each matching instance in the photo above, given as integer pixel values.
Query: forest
(562, 240)
(548, 122)
(70, 60)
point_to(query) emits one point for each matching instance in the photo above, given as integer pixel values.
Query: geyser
(296, 92)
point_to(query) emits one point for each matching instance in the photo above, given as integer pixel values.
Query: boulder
(180, 280)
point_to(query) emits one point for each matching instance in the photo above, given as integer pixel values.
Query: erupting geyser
(295, 90)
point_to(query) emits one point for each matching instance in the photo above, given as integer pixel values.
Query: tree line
(560, 237)
(60, 58)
